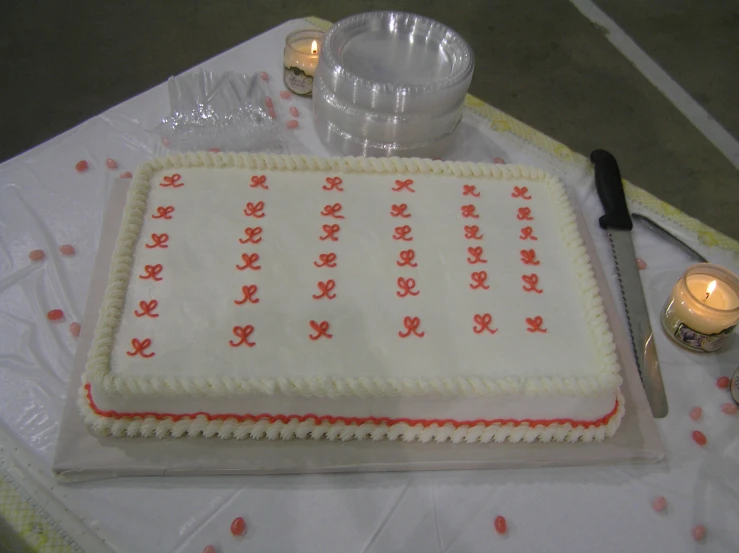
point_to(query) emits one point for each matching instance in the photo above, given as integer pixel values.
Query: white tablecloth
(45, 203)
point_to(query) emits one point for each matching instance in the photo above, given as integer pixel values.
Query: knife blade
(617, 223)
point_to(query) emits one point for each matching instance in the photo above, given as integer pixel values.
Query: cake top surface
(237, 273)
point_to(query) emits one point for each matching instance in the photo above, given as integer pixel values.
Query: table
(45, 203)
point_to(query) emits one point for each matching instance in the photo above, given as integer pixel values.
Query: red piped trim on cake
(326, 260)
(406, 258)
(259, 181)
(175, 181)
(255, 210)
(406, 286)
(333, 183)
(478, 280)
(140, 347)
(331, 231)
(531, 281)
(401, 233)
(158, 241)
(529, 257)
(325, 289)
(476, 253)
(524, 214)
(399, 210)
(152, 272)
(250, 262)
(147, 309)
(164, 212)
(332, 211)
(403, 185)
(468, 212)
(533, 423)
(471, 232)
(470, 190)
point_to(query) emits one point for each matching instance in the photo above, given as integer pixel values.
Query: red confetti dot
(125, 175)
(36, 255)
(641, 264)
(284, 94)
(238, 526)
(695, 413)
(82, 166)
(730, 408)
(214, 150)
(294, 111)
(292, 124)
(268, 102)
(67, 249)
(723, 382)
(55, 315)
(264, 76)
(74, 329)
(699, 532)
(659, 504)
(209, 549)
(501, 526)
(111, 164)
(699, 438)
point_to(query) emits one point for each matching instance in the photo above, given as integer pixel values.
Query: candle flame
(314, 47)
(711, 288)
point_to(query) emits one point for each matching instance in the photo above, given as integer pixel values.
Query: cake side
(605, 377)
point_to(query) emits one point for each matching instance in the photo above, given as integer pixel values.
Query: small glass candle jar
(300, 60)
(703, 308)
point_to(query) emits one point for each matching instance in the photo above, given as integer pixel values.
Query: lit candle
(703, 308)
(300, 60)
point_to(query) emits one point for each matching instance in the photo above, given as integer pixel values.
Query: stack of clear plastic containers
(391, 84)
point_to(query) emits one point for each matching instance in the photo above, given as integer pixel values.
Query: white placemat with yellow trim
(44, 203)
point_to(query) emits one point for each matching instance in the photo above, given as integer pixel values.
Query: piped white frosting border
(150, 426)
(98, 368)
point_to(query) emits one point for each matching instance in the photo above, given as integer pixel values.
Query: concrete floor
(542, 62)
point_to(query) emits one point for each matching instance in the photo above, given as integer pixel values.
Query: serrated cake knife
(617, 222)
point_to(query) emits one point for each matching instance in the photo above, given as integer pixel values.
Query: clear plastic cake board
(81, 455)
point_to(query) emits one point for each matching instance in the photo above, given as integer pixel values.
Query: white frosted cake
(287, 297)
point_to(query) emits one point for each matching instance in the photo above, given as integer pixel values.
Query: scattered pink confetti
(501, 526)
(729, 408)
(125, 175)
(641, 264)
(695, 413)
(498, 160)
(55, 315)
(268, 102)
(264, 76)
(214, 150)
(292, 124)
(294, 111)
(165, 141)
(723, 382)
(699, 438)
(67, 249)
(82, 166)
(111, 163)
(284, 94)
(74, 329)
(209, 549)
(699, 532)
(272, 113)
(238, 526)
(659, 504)
(36, 255)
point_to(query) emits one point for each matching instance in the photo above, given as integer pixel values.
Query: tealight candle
(300, 60)
(703, 308)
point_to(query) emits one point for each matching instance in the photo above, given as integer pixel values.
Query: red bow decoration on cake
(333, 183)
(259, 182)
(483, 323)
(152, 272)
(147, 309)
(254, 210)
(243, 333)
(158, 241)
(470, 190)
(163, 212)
(140, 347)
(332, 211)
(403, 185)
(326, 260)
(471, 232)
(325, 290)
(174, 181)
(252, 235)
(321, 330)
(406, 258)
(411, 324)
(250, 262)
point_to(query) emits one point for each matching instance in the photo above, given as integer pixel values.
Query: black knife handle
(610, 191)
